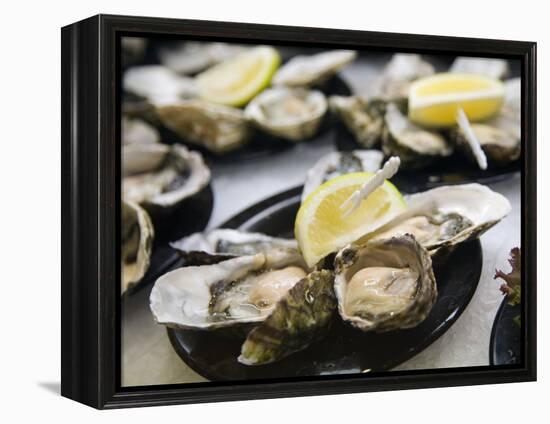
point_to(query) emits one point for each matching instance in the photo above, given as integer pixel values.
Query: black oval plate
(345, 350)
(505, 346)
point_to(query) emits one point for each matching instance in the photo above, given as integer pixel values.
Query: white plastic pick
(470, 136)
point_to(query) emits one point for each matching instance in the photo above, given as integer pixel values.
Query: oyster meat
(137, 242)
(399, 73)
(157, 175)
(363, 118)
(157, 83)
(293, 114)
(225, 243)
(493, 68)
(136, 131)
(313, 70)
(192, 57)
(445, 216)
(217, 128)
(415, 146)
(384, 285)
(239, 290)
(335, 164)
(499, 137)
(300, 318)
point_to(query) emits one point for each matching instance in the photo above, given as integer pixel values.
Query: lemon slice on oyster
(322, 227)
(237, 80)
(435, 100)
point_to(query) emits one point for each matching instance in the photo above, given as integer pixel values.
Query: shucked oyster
(313, 70)
(240, 290)
(218, 128)
(445, 216)
(136, 131)
(192, 57)
(137, 242)
(339, 163)
(499, 137)
(415, 146)
(300, 318)
(293, 114)
(385, 284)
(161, 176)
(493, 68)
(363, 118)
(156, 83)
(224, 243)
(399, 73)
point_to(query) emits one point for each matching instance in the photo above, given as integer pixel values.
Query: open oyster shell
(301, 317)
(240, 290)
(192, 57)
(443, 217)
(385, 284)
(499, 137)
(363, 118)
(312, 70)
(415, 146)
(293, 114)
(158, 176)
(137, 243)
(399, 73)
(217, 128)
(137, 131)
(334, 164)
(493, 68)
(157, 83)
(225, 243)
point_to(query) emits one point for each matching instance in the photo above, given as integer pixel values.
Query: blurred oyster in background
(335, 164)
(136, 244)
(192, 57)
(217, 128)
(158, 176)
(400, 71)
(314, 69)
(293, 114)
(133, 50)
(415, 146)
(136, 131)
(363, 118)
(157, 83)
(494, 68)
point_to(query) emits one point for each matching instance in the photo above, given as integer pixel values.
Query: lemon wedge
(434, 100)
(321, 227)
(237, 80)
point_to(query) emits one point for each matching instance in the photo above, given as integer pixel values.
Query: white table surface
(147, 355)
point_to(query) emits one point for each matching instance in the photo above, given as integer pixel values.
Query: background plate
(345, 350)
(505, 347)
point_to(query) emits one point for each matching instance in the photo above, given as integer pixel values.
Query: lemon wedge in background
(434, 100)
(237, 80)
(320, 226)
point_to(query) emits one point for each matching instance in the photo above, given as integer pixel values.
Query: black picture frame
(90, 178)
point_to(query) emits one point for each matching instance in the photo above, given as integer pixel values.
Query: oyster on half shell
(385, 284)
(443, 217)
(493, 68)
(217, 128)
(240, 290)
(363, 118)
(137, 243)
(161, 176)
(335, 164)
(399, 73)
(224, 243)
(137, 131)
(311, 70)
(293, 114)
(300, 318)
(415, 146)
